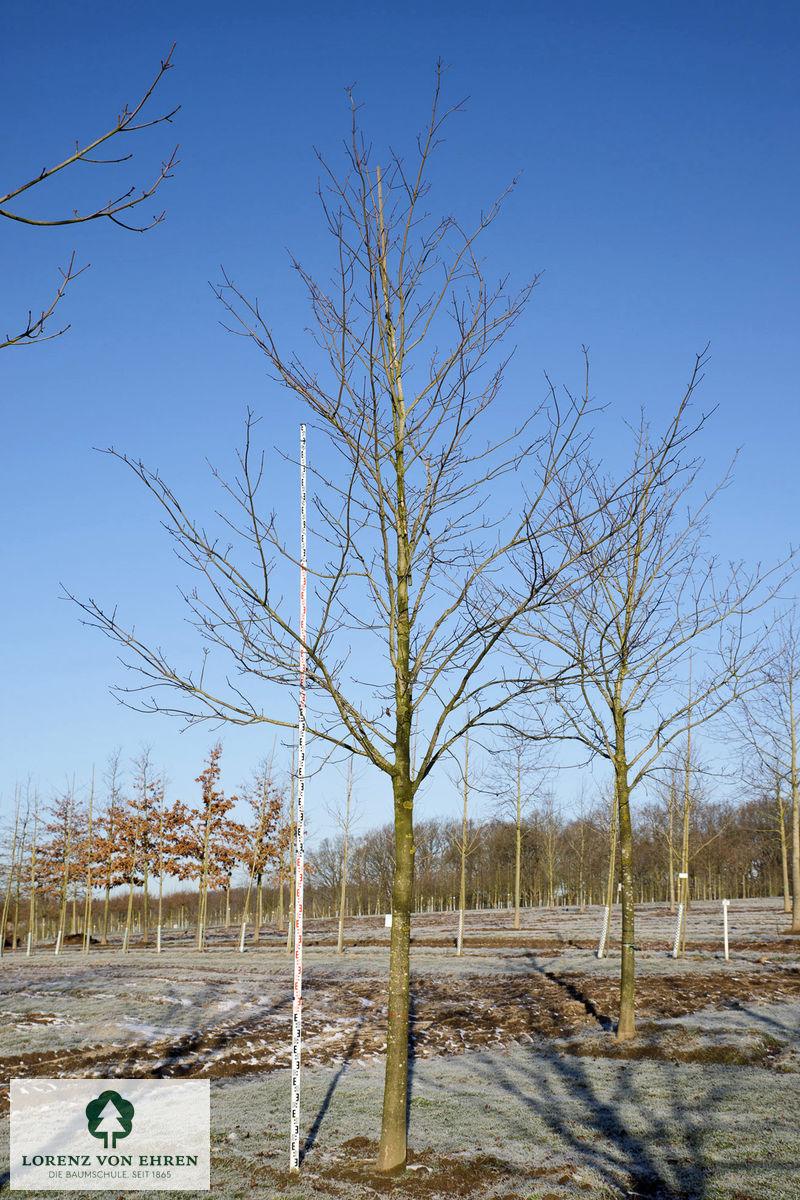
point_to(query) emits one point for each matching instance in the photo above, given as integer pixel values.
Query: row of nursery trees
(119, 867)
(734, 850)
(65, 855)
(475, 565)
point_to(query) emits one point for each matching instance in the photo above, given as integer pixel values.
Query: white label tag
(101, 1135)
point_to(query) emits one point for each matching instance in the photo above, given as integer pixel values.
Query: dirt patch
(429, 1176)
(449, 1015)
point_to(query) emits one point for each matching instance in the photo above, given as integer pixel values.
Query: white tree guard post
(125, 940)
(299, 832)
(30, 942)
(158, 939)
(242, 934)
(681, 909)
(677, 942)
(601, 949)
(58, 943)
(725, 904)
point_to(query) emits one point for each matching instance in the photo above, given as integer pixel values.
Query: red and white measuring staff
(299, 853)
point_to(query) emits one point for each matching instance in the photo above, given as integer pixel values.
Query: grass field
(517, 1087)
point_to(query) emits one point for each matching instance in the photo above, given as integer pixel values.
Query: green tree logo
(110, 1116)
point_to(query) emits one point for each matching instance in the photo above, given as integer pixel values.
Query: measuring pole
(299, 831)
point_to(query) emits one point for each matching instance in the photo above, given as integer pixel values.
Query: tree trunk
(787, 892)
(795, 817)
(259, 908)
(393, 1149)
(671, 850)
(10, 884)
(518, 845)
(343, 896)
(32, 898)
(626, 1026)
(104, 937)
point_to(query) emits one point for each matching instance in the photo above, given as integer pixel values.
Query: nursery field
(517, 1087)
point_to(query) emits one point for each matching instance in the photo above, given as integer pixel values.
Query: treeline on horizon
(133, 862)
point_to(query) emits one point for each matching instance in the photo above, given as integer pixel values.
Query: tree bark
(393, 1148)
(626, 1026)
(795, 815)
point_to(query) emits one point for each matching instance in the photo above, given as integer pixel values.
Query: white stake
(242, 937)
(158, 940)
(299, 831)
(601, 949)
(681, 908)
(725, 904)
(30, 941)
(676, 945)
(58, 943)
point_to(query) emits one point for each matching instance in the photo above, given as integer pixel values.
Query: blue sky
(658, 146)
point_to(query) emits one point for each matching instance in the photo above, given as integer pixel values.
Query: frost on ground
(517, 1087)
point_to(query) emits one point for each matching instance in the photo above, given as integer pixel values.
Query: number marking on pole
(297, 1005)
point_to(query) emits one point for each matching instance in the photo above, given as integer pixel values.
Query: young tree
(60, 857)
(427, 569)
(346, 816)
(628, 627)
(515, 793)
(464, 843)
(110, 867)
(119, 209)
(772, 729)
(211, 841)
(266, 802)
(12, 865)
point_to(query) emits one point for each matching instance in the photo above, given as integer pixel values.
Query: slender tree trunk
(671, 850)
(280, 898)
(10, 885)
(787, 892)
(612, 872)
(392, 1151)
(581, 883)
(161, 859)
(462, 890)
(795, 815)
(626, 1026)
(87, 911)
(32, 898)
(202, 897)
(393, 1148)
(62, 915)
(145, 900)
(518, 842)
(343, 895)
(259, 907)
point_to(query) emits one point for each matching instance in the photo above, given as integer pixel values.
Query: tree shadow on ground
(313, 1132)
(603, 1020)
(666, 1160)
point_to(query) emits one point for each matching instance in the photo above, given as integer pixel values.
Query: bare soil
(536, 996)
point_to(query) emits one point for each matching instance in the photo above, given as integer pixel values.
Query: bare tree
(119, 209)
(628, 628)
(515, 795)
(427, 568)
(771, 726)
(346, 815)
(463, 839)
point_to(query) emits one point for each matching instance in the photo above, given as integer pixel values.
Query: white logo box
(137, 1135)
